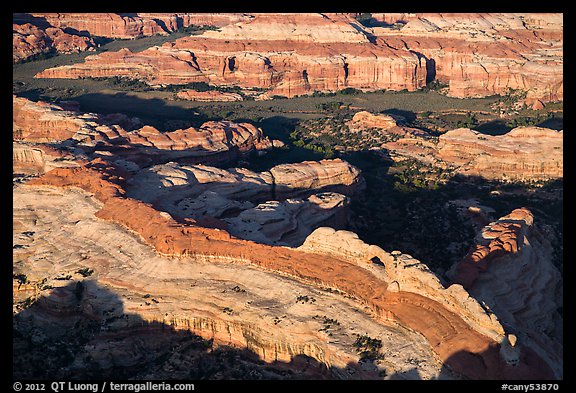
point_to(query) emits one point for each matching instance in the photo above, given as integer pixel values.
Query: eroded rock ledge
(476, 55)
(456, 341)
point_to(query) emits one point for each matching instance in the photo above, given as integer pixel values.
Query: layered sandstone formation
(405, 294)
(170, 183)
(29, 41)
(289, 222)
(397, 290)
(510, 271)
(43, 122)
(193, 95)
(484, 54)
(127, 26)
(94, 135)
(30, 159)
(364, 120)
(287, 54)
(476, 55)
(523, 153)
(266, 207)
(140, 307)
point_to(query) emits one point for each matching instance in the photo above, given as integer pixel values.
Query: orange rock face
(126, 26)
(293, 54)
(29, 40)
(510, 270)
(335, 175)
(194, 95)
(457, 330)
(462, 348)
(521, 154)
(288, 54)
(483, 54)
(365, 120)
(213, 141)
(42, 122)
(501, 238)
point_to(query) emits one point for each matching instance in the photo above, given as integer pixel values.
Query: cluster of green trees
(470, 121)
(123, 82)
(368, 347)
(529, 120)
(435, 85)
(415, 176)
(195, 28)
(39, 56)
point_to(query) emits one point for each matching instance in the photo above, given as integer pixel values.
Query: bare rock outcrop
(453, 338)
(483, 54)
(476, 55)
(193, 95)
(29, 41)
(264, 207)
(366, 120)
(510, 271)
(36, 158)
(128, 26)
(43, 122)
(144, 313)
(103, 136)
(521, 154)
(174, 181)
(333, 175)
(288, 54)
(289, 222)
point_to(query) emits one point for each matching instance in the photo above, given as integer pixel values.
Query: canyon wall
(29, 41)
(510, 271)
(127, 25)
(476, 55)
(523, 153)
(288, 55)
(447, 332)
(143, 305)
(479, 55)
(96, 135)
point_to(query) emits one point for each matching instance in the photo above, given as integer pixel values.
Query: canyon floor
(402, 233)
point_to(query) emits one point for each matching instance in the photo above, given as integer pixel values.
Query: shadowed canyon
(288, 196)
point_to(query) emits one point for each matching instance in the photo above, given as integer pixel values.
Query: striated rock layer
(510, 270)
(521, 154)
(170, 183)
(476, 55)
(484, 54)
(93, 135)
(127, 26)
(29, 41)
(208, 96)
(407, 301)
(288, 54)
(132, 309)
(205, 193)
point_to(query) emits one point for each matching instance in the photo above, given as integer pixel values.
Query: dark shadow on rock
(22, 18)
(494, 127)
(401, 115)
(430, 70)
(401, 209)
(152, 111)
(80, 331)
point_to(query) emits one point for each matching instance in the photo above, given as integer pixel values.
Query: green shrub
(349, 91)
